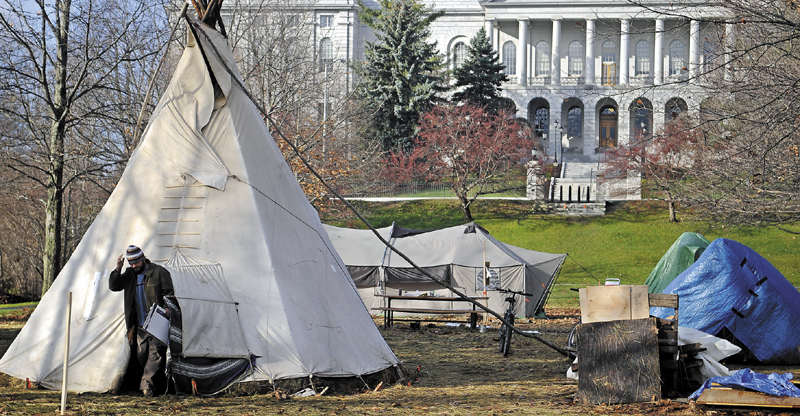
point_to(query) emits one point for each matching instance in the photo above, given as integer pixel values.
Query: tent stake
(66, 356)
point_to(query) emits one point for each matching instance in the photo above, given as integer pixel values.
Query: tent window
(494, 280)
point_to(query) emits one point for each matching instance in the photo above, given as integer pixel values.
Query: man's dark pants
(151, 354)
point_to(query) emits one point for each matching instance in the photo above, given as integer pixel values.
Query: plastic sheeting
(774, 384)
(682, 254)
(731, 286)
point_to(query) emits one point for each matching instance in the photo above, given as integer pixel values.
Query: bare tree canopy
(747, 167)
(72, 73)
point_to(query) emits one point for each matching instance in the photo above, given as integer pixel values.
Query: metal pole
(66, 356)
(325, 111)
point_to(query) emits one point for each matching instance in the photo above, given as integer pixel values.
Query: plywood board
(618, 362)
(734, 397)
(614, 303)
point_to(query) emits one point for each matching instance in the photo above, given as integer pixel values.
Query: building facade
(587, 75)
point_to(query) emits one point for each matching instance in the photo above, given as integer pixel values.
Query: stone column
(555, 52)
(658, 53)
(489, 26)
(522, 52)
(730, 35)
(589, 63)
(625, 26)
(694, 50)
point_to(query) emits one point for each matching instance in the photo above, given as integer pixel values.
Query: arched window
(576, 56)
(609, 75)
(674, 108)
(542, 59)
(510, 58)
(459, 54)
(642, 58)
(541, 120)
(641, 121)
(676, 57)
(326, 54)
(575, 123)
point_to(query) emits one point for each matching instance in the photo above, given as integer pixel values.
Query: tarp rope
(196, 26)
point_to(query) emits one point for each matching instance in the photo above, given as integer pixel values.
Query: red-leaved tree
(666, 161)
(465, 148)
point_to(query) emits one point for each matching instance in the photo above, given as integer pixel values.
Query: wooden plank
(429, 311)
(613, 303)
(663, 300)
(723, 396)
(619, 362)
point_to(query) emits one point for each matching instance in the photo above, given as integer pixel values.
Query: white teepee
(207, 194)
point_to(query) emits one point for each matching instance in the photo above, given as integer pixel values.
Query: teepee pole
(153, 78)
(66, 356)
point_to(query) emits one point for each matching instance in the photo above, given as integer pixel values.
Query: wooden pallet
(717, 395)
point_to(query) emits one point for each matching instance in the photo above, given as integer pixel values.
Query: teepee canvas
(208, 195)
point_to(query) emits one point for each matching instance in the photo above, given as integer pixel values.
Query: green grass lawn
(626, 243)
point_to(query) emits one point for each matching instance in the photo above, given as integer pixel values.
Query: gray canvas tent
(207, 194)
(455, 255)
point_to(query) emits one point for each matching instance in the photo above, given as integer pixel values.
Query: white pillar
(489, 26)
(625, 26)
(694, 50)
(522, 52)
(589, 62)
(555, 54)
(729, 45)
(658, 49)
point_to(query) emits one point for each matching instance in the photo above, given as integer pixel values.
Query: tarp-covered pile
(731, 287)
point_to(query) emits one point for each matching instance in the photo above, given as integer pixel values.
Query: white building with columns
(587, 75)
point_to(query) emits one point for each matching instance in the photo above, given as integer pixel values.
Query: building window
(542, 59)
(710, 56)
(576, 56)
(325, 21)
(326, 54)
(510, 58)
(459, 54)
(293, 20)
(642, 58)
(676, 65)
(575, 123)
(609, 73)
(674, 108)
(541, 120)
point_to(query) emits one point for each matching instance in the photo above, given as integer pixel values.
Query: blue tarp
(774, 384)
(731, 286)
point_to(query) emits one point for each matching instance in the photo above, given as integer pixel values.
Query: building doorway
(608, 127)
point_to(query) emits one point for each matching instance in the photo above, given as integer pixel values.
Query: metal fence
(418, 189)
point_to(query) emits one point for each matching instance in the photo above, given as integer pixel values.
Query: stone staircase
(577, 183)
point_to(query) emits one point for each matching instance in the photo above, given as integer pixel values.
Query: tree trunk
(465, 203)
(672, 216)
(51, 261)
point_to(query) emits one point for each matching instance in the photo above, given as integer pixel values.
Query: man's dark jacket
(157, 284)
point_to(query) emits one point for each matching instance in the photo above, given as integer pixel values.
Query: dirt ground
(458, 372)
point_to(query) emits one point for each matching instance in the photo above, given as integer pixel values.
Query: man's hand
(120, 262)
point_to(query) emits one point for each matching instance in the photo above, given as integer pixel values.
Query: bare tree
(747, 166)
(71, 69)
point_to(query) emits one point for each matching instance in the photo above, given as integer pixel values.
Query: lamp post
(560, 131)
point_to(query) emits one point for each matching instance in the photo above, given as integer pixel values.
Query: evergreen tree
(401, 72)
(481, 74)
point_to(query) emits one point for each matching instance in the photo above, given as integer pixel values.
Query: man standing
(144, 284)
